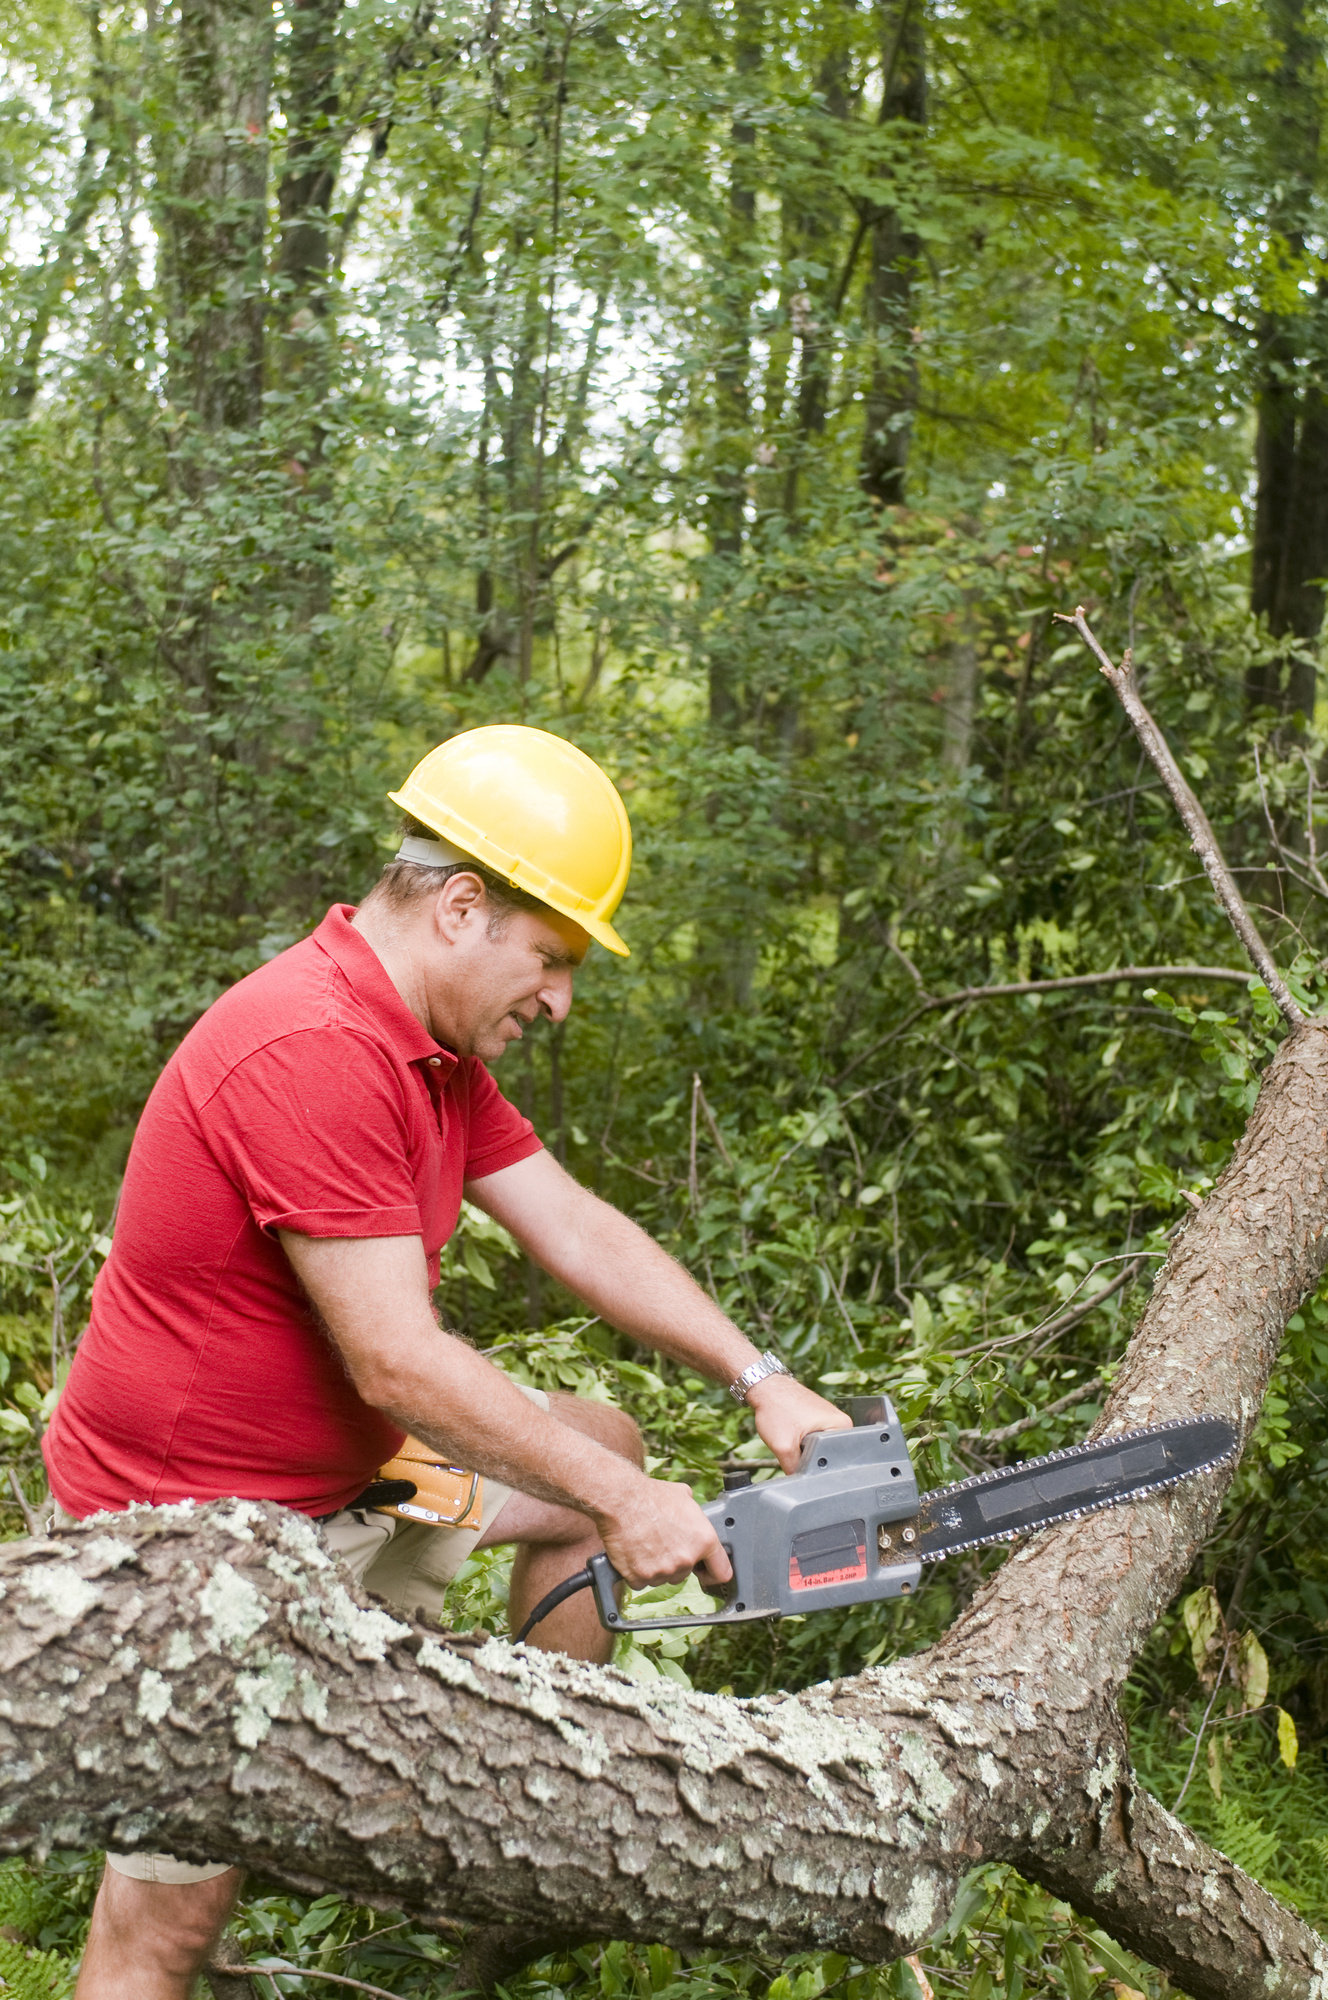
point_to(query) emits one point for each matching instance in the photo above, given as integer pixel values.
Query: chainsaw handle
(605, 1580)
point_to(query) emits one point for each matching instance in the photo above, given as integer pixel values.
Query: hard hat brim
(602, 933)
(596, 927)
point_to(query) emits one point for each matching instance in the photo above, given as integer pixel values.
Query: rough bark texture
(1290, 552)
(213, 164)
(892, 391)
(203, 1680)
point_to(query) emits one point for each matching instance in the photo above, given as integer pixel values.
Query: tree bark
(53, 274)
(1290, 543)
(734, 286)
(202, 1679)
(892, 392)
(813, 223)
(311, 104)
(212, 194)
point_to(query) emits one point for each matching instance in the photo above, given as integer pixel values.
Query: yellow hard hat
(536, 811)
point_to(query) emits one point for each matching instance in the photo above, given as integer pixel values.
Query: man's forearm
(372, 1295)
(450, 1397)
(373, 1298)
(625, 1276)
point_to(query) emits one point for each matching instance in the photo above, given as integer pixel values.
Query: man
(263, 1326)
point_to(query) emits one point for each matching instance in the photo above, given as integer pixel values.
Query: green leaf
(1116, 1963)
(906, 1983)
(1288, 1745)
(473, 1259)
(1252, 1671)
(1202, 1617)
(1078, 1984)
(974, 1893)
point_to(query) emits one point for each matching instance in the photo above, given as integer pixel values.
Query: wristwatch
(769, 1364)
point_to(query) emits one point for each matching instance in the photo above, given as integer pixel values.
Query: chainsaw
(848, 1526)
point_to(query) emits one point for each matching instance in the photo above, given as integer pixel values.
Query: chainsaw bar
(1064, 1486)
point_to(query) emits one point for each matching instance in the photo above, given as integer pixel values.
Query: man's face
(497, 979)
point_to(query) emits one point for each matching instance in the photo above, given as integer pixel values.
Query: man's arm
(602, 1256)
(372, 1295)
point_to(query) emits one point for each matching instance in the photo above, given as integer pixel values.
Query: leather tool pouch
(444, 1496)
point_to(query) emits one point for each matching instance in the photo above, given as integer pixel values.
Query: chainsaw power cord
(550, 1602)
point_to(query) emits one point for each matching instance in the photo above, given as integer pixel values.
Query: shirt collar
(366, 974)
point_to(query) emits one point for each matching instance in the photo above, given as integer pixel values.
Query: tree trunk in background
(201, 1679)
(210, 114)
(302, 266)
(1290, 551)
(51, 276)
(213, 166)
(508, 582)
(893, 388)
(814, 230)
(960, 700)
(734, 292)
(301, 311)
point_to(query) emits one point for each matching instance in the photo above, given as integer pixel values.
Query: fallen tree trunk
(204, 1680)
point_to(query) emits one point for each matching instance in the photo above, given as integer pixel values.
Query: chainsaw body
(836, 1531)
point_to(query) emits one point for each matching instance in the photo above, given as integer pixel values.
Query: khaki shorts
(405, 1562)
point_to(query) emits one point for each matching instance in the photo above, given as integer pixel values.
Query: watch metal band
(769, 1364)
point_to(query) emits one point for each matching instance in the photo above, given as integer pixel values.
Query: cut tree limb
(205, 1680)
(227, 1972)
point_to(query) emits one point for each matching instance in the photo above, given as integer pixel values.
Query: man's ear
(458, 906)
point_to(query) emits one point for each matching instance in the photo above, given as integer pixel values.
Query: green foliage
(566, 423)
(44, 1914)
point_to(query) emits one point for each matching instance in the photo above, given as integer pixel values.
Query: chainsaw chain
(1003, 1474)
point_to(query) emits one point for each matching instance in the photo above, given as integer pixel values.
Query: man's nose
(555, 996)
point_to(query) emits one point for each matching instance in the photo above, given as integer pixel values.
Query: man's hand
(656, 1533)
(785, 1412)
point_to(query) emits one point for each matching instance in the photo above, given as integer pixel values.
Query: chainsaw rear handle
(606, 1581)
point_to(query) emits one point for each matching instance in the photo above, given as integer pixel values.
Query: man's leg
(553, 1542)
(150, 1940)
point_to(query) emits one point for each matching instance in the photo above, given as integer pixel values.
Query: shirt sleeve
(314, 1130)
(497, 1135)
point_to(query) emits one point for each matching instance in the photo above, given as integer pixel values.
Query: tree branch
(1009, 1431)
(968, 995)
(1202, 838)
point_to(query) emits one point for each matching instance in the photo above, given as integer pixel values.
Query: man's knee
(175, 1924)
(604, 1422)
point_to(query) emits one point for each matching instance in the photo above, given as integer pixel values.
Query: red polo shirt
(308, 1098)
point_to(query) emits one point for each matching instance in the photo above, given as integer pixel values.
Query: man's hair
(405, 883)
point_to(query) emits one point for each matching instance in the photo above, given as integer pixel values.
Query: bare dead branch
(1064, 1321)
(1009, 1431)
(1195, 820)
(35, 1525)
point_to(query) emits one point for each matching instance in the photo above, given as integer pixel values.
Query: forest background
(737, 389)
